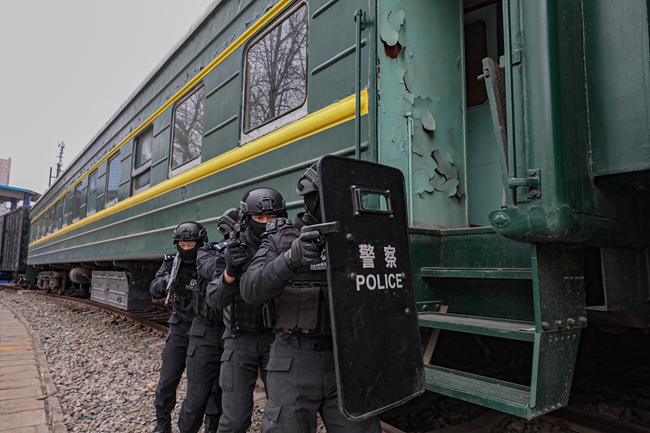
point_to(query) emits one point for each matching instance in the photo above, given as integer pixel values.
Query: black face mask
(189, 256)
(256, 228)
(312, 205)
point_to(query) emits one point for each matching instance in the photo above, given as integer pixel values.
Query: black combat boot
(211, 423)
(163, 422)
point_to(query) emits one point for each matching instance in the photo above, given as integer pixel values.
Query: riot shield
(372, 300)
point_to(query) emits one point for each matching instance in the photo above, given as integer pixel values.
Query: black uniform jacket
(219, 293)
(268, 273)
(206, 260)
(157, 287)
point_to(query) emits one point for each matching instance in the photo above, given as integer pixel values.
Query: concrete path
(28, 402)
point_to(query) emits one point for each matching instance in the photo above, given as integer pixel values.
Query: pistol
(236, 232)
(322, 229)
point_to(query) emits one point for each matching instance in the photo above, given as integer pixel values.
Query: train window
(276, 71)
(52, 220)
(76, 207)
(142, 161)
(143, 145)
(476, 49)
(38, 227)
(91, 205)
(67, 208)
(187, 137)
(47, 218)
(141, 182)
(59, 215)
(112, 179)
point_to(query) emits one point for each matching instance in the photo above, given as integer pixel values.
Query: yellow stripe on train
(326, 118)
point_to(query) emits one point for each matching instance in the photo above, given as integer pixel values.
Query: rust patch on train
(392, 51)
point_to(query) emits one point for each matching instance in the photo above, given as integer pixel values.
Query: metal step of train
(551, 318)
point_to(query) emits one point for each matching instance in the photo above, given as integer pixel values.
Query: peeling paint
(399, 137)
(389, 26)
(400, 75)
(423, 108)
(447, 181)
(450, 188)
(421, 182)
(410, 98)
(445, 164)
(418, 87)
(428, 122)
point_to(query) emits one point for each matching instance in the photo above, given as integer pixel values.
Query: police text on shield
(379, 281)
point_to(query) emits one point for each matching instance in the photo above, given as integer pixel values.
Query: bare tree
(277, 71)
(188, 129)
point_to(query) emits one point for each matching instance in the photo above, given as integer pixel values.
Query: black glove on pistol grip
(235, 255)
(304, 251)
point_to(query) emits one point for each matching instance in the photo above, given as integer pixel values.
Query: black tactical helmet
(190, 231)
(309, 181)
(227, 221)
(263, 201)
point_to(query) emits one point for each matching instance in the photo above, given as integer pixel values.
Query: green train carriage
(528, 189)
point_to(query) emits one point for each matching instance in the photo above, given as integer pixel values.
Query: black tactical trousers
(173, 363)
(301, 382)
(242, 355)
(203, 362)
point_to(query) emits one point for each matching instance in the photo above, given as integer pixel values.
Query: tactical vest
(239, 315)
(242, 316)
(186, 285)
(303, 306)
(201, 306)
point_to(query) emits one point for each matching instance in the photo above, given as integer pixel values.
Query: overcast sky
(66, 66)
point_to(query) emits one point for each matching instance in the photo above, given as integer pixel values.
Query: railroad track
(573, 418)
(149, 319)
(587, 422)
(154, 319)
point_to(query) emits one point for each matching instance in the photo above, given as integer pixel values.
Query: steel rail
(123, 314)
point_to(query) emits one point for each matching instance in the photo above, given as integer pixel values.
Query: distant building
(16, 197)
(5, 170)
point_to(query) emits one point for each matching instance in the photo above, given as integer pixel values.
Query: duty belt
(323, 342)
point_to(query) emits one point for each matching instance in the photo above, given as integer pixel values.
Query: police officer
(301, 378)
(205, 345)
(188, 238)
(246, 340)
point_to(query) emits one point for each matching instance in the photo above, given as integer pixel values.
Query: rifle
(322, 229)
(171, 284)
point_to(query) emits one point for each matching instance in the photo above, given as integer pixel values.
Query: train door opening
(434, 117)
(483, 38)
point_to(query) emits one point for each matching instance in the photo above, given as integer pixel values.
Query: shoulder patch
(169, 256)
(222, 245)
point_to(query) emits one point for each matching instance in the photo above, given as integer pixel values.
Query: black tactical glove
(158, 290)
(236, 258)
(304, 251)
